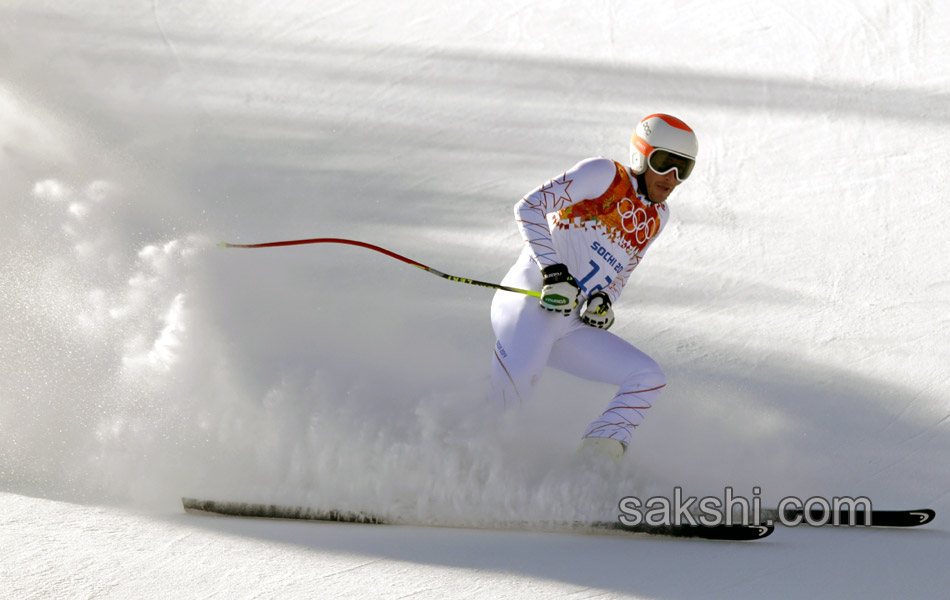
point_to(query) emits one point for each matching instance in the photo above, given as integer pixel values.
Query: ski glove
(597, 312)
(560, 291)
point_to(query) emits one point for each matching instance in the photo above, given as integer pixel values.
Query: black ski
(857, 518)
(685, 530)
(277, 511)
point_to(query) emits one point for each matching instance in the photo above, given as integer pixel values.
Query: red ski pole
(496, 286)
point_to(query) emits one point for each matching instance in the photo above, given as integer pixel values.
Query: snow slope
(798, 300)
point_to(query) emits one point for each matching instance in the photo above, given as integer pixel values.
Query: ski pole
(496, 286)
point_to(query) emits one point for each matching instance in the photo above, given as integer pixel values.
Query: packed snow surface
(798, 301)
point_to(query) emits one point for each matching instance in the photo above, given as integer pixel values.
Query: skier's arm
(618, 283)
(587, 179)
(613, 290)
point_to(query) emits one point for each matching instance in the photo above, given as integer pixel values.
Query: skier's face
(659, 187)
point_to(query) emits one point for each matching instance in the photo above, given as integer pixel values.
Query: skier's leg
(598, 355)
(524, 335)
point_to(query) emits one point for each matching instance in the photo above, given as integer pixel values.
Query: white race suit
(592, 219)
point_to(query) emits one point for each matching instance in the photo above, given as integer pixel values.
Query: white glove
(597, 312)
(560, 291)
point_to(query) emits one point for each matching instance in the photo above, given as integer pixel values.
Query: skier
(585, 232)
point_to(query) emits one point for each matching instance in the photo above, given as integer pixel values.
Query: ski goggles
(662, 162)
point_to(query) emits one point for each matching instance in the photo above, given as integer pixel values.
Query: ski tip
(764, 530)
(224, 245)
(739, 532)
(926, 515)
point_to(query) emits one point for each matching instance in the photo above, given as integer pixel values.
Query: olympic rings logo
(635, 221)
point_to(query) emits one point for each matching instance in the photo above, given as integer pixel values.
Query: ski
(858, 518)
(685, 530)
(276, 511)
(300, 513)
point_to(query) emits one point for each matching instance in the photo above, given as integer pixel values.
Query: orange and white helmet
(663, 143)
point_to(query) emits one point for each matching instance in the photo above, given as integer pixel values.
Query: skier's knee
(647, 377)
